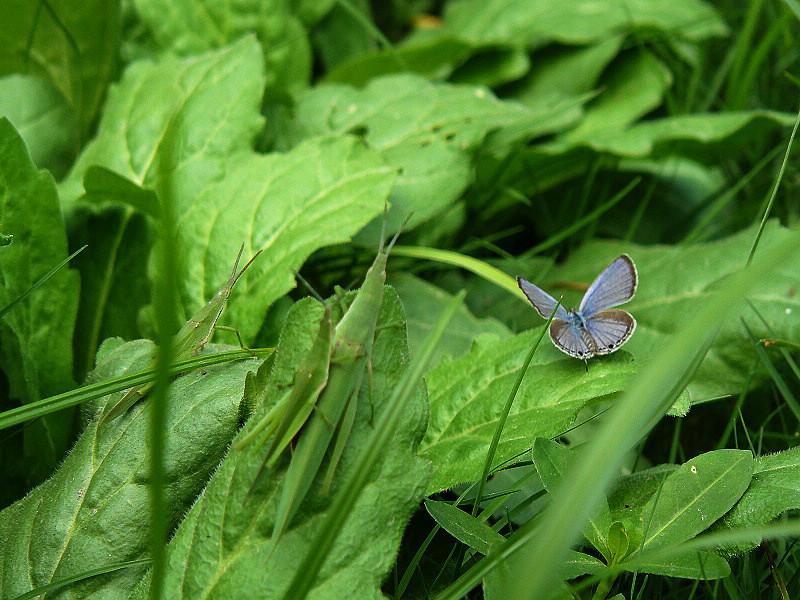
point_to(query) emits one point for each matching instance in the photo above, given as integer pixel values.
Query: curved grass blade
(67, 581)
(480, 268)
(38, 409)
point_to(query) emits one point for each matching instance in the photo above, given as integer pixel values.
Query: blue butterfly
(596, 327)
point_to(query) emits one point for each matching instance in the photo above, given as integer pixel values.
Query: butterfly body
(596, 327)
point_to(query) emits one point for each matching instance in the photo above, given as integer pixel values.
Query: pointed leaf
(463, 526)
(697, 494)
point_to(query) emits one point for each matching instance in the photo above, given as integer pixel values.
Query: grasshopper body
(290, 413)
(336, 406)
(191, 338)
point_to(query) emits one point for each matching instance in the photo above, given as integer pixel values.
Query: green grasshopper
(325, 400)
(191, 338)
(290, 413)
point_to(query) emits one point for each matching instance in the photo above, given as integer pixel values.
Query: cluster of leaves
(501, 135)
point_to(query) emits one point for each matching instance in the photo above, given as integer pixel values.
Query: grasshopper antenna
(308, 285)
(235, 276)
(396, 235)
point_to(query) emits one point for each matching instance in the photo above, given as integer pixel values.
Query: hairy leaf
(467, 396)
(774, 489)
(222, 546)
(95, 509)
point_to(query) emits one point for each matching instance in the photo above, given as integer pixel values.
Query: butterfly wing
(616, 285)
(610, 329)
(543, 302)
(573, 340)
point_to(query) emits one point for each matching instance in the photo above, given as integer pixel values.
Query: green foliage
(72, 45)
(772, 492)
(465, 402)
(94, 510)
(43, 119)
(424, 302)
(501, 138)
(206, 25)
(36, 336)
(240, 524)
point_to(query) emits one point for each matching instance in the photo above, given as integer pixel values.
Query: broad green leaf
(36, 336)
(188, 27)
(774, 489)
(103, 185)
(424, 302)
(342, 34)
(693, 497)
(703, 137)
(465, 409)
(433, 56)
(463, 526)
(633, 85)
(428, 130)
(72, 43)
(493, 66)
(578, 22)
(221, 548)
(95, 509)
(319, 194)
(568, 72)
(43, 118)
(688, 565)
(193, 94)
(289, 205)
(552, 461)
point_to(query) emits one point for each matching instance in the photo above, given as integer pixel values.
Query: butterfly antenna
(308, 285)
